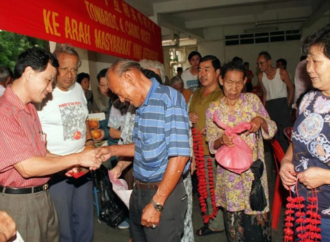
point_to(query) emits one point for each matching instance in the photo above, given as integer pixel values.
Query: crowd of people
(46, 139)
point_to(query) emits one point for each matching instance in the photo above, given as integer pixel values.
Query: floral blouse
(311, 145)
(232, 191)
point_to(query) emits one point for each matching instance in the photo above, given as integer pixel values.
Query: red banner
(108, 26)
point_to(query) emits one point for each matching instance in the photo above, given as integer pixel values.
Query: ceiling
(206, 20)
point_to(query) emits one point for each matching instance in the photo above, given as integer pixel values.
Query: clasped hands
(312, 177)
(88, 158)
(255, 122)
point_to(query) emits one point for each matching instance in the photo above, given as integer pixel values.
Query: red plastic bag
(239, 157)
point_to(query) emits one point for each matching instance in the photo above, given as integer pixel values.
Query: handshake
(91, 158)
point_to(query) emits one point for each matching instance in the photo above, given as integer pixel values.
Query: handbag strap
(257, 136)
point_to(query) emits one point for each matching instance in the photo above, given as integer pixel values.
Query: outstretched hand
(104, 153)
(88, 158)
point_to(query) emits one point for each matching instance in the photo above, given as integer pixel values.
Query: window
(264, 37)
(246, 39)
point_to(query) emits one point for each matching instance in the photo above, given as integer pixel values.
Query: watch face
(159, 207)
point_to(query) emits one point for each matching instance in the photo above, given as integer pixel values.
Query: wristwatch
(157, 206)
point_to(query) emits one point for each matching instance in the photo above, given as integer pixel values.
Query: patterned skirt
(241, 227)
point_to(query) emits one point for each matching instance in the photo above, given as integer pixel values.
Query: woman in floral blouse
(305, 167)
(232, 191)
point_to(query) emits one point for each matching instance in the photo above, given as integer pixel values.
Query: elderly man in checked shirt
(161, 151)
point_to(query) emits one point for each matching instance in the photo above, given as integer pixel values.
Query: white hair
(147, 64)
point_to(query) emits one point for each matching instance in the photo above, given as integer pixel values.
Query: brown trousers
(34, 214)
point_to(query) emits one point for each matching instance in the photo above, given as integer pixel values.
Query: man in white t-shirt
(64, 120)
(5, 78)
(190, 76)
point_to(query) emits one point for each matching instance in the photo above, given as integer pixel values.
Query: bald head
(120, 67)
(126, 80)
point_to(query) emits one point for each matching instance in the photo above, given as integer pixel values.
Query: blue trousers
(325, 231)
(73, 200)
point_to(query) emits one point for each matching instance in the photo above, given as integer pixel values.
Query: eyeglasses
(231, 83)
(261, 63)
(65, 70)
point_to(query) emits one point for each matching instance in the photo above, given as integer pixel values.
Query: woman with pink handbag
(233, 183)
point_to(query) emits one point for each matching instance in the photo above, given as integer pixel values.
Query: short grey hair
(175, 80)
(65, 48)
(121, 66)
(147, 64)
(4, 73)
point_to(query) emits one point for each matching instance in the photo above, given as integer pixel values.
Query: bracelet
(89, 140)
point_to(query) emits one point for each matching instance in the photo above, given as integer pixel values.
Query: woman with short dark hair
(305, 166)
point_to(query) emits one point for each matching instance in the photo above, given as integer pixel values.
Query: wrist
(285, 161)
(157, 206)
(159, 198)
(89, 142)
(326, 176)
(218, 143)
(120, 166)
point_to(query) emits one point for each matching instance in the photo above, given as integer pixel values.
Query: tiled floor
(105, 233)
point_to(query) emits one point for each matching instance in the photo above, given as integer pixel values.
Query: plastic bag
(112, 210)
(258, 200)
(238, 158)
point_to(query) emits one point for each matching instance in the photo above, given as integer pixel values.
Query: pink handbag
(238, 158)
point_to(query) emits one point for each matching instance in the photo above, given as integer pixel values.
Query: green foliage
(11, 45)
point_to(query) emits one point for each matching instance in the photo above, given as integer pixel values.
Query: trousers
(172, 216)
(73, 199)
(34, 215)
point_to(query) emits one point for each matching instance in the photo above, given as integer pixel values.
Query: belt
(27, 190)
(149, 185)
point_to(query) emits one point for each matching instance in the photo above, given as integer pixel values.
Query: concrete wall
(289, 50)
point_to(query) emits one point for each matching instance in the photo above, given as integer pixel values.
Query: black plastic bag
(112, 210)
(258, 200)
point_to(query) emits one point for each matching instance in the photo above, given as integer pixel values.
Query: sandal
(205, 230)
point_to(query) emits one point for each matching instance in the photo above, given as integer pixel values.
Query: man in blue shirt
(160, 149)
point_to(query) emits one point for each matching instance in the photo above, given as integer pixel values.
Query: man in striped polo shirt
(160, 149)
